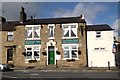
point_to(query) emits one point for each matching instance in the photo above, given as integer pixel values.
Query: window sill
(70, 59)
(69, 37)
(51, 38)
(33, 39)
(98, 38)
(10, 40)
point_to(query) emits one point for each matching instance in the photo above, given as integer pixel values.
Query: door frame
(51, 43)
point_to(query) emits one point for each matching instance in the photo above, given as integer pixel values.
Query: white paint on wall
(101, 57)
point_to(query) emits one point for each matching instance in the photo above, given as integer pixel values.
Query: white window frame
(53, 30)
(10, 33)
(32, 46)
(70, 45)
(69, 28)
(32, 26)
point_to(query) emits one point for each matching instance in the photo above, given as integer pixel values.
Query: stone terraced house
(42, 42)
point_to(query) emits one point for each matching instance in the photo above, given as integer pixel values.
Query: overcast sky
(94, 12)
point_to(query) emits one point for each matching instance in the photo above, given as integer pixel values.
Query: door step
(51, 67)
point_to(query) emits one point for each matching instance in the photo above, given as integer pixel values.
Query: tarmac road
(48, 75)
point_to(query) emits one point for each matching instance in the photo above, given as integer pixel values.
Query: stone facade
(18, 46)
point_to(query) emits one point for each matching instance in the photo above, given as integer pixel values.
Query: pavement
(86, 69)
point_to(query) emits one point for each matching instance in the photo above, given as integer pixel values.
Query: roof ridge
(56, 18)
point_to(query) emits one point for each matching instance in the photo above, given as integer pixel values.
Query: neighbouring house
(117, 53)
(42, 42)
(100, 45)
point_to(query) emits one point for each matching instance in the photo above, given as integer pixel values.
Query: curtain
(73, 32)
(29, 32)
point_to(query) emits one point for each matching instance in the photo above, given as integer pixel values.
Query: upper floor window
(33, 32)
(69, 30)
(10, 36)
(51, 28)
(98, 34)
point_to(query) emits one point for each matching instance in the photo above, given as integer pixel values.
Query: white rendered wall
(100, 58)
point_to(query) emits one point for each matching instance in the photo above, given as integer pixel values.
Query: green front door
(51, 55)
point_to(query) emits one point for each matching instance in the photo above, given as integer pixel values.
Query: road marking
(33, 74)
(9, 76)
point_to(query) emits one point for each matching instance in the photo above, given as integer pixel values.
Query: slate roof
(101, 27)
(8, 26)
(56, 20)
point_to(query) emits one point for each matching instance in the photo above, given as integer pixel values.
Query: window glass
(96, 48)
(29, 55)
(36, 52)
(51, 31)
(98, 34)
(74, 47)
(36, 48)
(10, 36)
(10, 33)
(36, 32)
(73, 31)
(29, 32)
(66, 47)
(74, 53)
(66, 53)
(102, 48)
(66, 31)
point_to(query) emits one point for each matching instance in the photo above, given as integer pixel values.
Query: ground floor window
(32, 52)
(70, 51)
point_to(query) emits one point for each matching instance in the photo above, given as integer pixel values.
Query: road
(46, 75)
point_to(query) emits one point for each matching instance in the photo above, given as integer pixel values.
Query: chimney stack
(22, 15)
(82, 16)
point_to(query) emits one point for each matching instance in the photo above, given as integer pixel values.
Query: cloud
(61, 0)
(116, 28)
(11, 10)
(89, 10)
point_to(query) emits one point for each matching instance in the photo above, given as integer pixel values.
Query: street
(46, 75)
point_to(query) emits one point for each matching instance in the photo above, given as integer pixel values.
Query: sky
(94, 12)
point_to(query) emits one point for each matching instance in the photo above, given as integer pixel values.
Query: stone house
(42, 42)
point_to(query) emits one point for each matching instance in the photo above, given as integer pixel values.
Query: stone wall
(19, 42)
